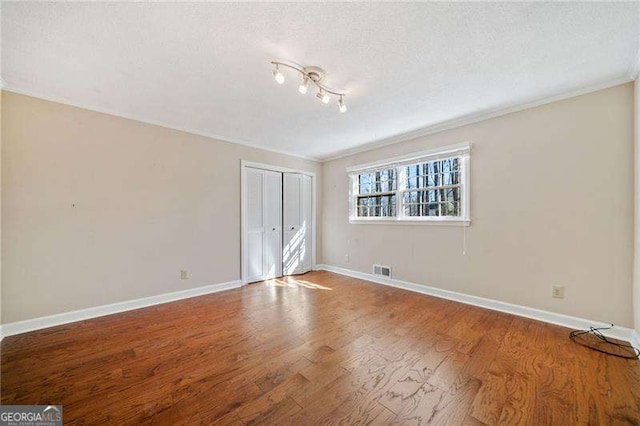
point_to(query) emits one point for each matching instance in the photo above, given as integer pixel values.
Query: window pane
(376, 205)
(412, 182)
(433, 173)
(432, 202)
(451, 209)
(433, 188)
(365, 184)
(377, 182)
(451, 194)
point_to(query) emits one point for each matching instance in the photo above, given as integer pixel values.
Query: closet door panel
(307, 227)
(297, 233)
(255, 248)
(292, 223)
(273, 225)
(254, 225)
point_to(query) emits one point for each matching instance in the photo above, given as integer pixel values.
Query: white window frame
(462, 151)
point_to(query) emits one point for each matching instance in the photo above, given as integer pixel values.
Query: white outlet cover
(557, 292)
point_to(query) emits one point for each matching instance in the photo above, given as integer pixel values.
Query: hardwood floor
(322, 348)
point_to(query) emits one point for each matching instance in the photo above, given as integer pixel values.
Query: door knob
(293, 227)
(273, 229)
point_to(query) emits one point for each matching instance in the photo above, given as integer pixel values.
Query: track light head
(304, 85)
(278, 75)
(324, 97)
(343, 106)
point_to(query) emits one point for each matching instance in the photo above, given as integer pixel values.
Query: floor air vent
(385, 271)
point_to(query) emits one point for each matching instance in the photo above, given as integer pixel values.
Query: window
(377, 194)
(432, 188)
(429, 186)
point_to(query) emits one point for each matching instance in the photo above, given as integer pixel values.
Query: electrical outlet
(557, 291)
(184, 274)
(346, 258)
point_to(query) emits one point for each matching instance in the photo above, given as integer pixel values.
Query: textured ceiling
(204, 67)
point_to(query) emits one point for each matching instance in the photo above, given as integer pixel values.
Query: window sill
(410, 221)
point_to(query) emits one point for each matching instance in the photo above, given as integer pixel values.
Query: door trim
(314, 206)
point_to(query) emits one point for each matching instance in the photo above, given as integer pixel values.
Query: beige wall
(636, 261)
(1, 99)
(552, 204)
(99, 209)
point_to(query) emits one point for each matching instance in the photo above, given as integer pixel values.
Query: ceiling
(204, 67)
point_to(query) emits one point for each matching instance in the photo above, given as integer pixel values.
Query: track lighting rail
(311, 74)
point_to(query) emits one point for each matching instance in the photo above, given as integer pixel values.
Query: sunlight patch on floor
(293, 282)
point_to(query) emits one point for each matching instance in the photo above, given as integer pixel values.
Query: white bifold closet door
(263, 225)
(297, 227)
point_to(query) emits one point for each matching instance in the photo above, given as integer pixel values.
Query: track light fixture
(278, 75)
(324, 97)
(314, 75)
(343, 106)
(304, 85)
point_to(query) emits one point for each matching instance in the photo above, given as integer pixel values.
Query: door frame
(243, 208)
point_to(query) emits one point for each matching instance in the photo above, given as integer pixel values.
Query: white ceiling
(204, 67)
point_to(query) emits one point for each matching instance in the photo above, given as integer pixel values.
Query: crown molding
(635, 68)
(20, 91)
(474, 118)
(368, 146)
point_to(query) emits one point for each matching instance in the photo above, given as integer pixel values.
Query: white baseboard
(576, 323)
(635, 339)
(20, 327)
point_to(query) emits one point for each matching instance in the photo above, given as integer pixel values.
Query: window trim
(462, 150)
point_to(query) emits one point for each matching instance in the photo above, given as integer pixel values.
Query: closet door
(263, 225)
(296, 251)
(273, 225)
(307, 216)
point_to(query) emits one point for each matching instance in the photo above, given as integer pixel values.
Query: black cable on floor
(596, 332)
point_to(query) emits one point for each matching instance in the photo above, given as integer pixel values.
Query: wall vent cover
(385, 271)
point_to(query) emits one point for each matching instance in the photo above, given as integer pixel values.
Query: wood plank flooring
(318, 349)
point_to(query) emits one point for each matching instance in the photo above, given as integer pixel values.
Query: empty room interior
(320, 213)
